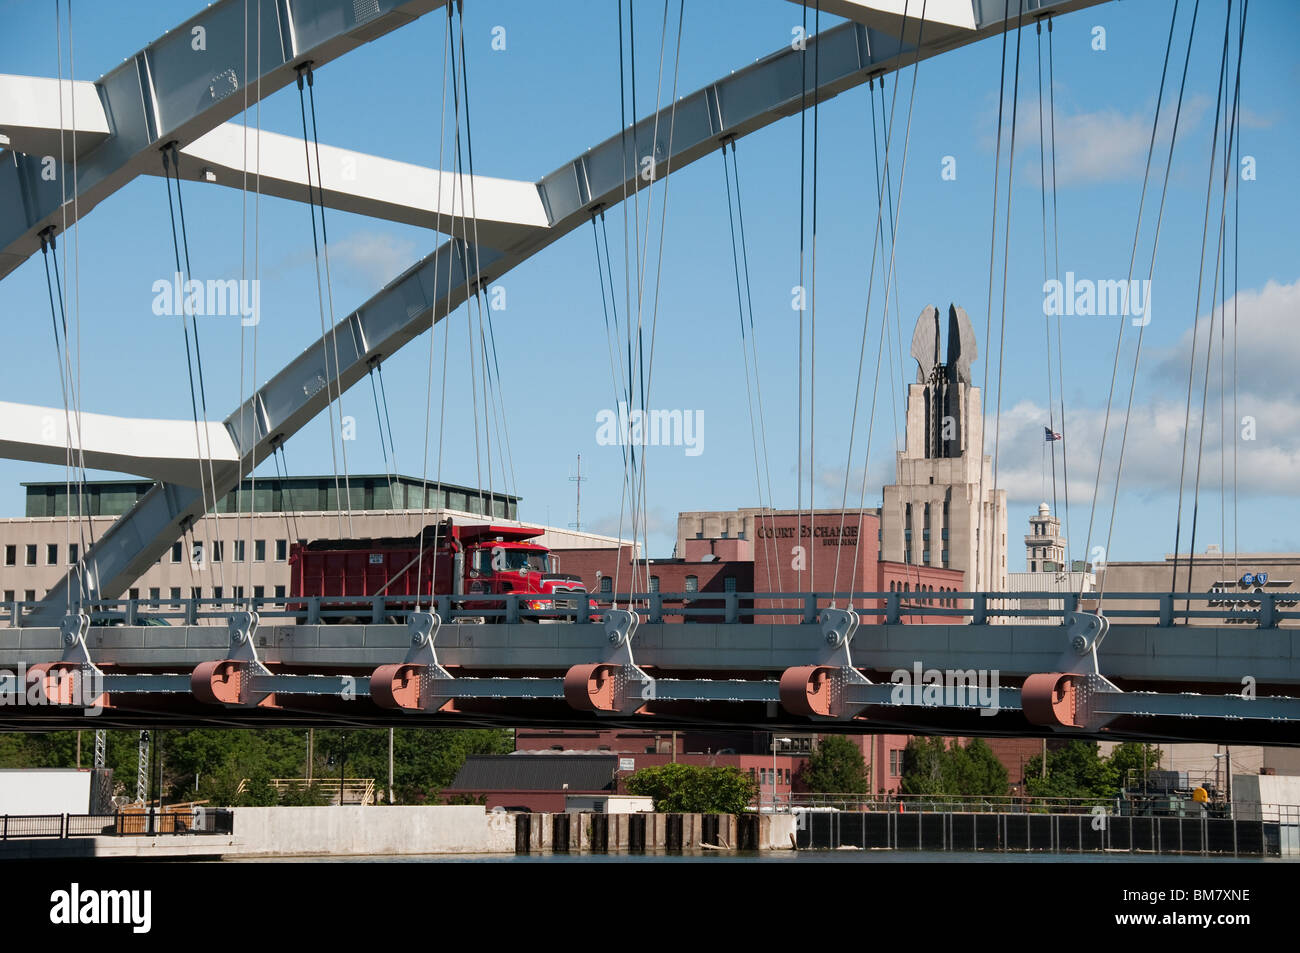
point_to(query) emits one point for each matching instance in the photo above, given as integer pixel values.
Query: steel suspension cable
(1230, 135)
(744, 351)
(988, 327)
(889, 276)
(1056, 263)
(1006, 268)
(1155, 244)
(753, 344)
(329, 291)
(1209, 344)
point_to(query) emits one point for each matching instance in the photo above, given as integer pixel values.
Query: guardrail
(1265, 610)
(146, 824)
(1022, 804)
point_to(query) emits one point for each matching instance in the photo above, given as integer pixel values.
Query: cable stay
(1056, 263)
(1155, 244)
(744, 353)
(891, 283)
(194, 367)
(981, 580)
(1230, 136)
(446, 347)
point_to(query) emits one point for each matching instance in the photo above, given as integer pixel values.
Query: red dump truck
(443, 559)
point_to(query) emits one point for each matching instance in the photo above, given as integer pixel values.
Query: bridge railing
(1024, 804)
(899, 607)
(121, 824)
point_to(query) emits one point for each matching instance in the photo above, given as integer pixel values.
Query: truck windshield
(511, 560)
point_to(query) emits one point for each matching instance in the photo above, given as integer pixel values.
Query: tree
(1075, 770)
(1132, 760)
(923, 763)
(687, 789)
(208, 764)
(835, 767)
(933, 766)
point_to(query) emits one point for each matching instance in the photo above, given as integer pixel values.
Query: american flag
(1049, 434)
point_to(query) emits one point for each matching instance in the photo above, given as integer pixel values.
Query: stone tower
(941, 510)
(1045, 546)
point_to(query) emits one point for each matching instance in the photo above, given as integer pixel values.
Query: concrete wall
(299, 831)
(1267, 797)
(384, 831)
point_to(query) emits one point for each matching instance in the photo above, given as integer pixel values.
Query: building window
(9, 595)
(177, 552)
(729, 584)
(239, 551)
(73, 553)
(259, 592)
(196, 593)
(133, 594)
(895, 763)
(217, 547)
(279, 592)
(196, 553)
(154, 593)
(281, 550)
(259, 550)
(30, 554)
(740, 535)
(606, 584)
(51, 554)
(692, 583)
(654, 583)
(11, 555)
(216, 592)
(29, 595)
(176, 596)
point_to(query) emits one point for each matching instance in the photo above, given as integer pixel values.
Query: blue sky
(554, 92)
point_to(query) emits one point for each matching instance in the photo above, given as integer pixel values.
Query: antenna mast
(578, 481)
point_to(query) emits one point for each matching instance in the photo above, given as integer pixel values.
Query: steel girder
(171, 91)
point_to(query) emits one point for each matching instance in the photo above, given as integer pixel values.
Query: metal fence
(1286, 814)
(1264, 609)
(122, 824)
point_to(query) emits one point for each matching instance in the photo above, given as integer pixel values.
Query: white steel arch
(740, 103)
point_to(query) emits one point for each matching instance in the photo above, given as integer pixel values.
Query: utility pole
(578, 481)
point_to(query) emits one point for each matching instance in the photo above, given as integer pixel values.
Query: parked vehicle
(443, 559)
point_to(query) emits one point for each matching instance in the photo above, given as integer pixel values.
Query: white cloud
(373, 259)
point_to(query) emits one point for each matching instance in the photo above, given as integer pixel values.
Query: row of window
(948, 601)
(31, 550)
(691, 584)
(238, 551)
(764, 776)
(175, 597)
